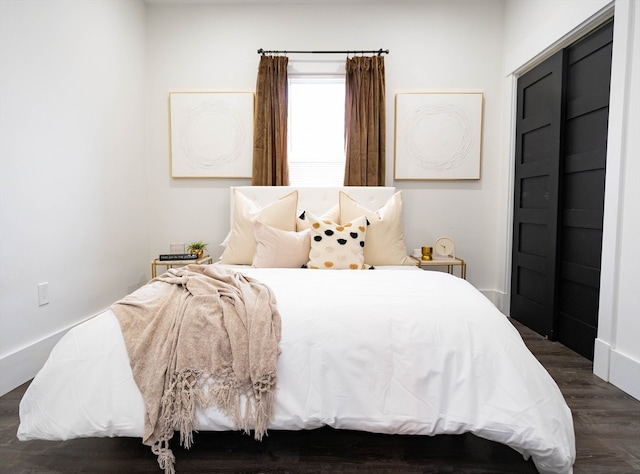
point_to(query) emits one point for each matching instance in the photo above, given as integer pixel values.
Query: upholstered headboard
(316, 200)
(375, 213)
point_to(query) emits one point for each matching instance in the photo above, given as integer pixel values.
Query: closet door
(582, 198)
(537, 175)
(561, 145)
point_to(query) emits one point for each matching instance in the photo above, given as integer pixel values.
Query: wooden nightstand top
(448, 262)
(171, 263)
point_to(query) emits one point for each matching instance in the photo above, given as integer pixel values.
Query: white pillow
(385, 234)
(277, 248)
(332, 214)
(280, 214)
(337, 246)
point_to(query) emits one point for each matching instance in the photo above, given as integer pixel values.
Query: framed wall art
(438, 135)
(211, 134)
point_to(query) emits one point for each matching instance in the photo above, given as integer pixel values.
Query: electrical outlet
(43, 293)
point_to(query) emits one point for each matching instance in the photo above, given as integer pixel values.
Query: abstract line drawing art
(438, 135)
(211, 134)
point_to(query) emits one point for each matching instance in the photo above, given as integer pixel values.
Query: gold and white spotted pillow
(336, 246)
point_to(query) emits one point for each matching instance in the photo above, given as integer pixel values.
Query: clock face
(445, 247)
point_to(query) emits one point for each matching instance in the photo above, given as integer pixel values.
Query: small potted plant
(198, 247)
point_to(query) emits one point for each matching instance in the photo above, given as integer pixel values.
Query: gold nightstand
(171, 263)
(448, 262)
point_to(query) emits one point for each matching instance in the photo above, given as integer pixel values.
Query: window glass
(316, 131)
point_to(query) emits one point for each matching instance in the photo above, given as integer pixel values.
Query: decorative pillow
(385, 234)
(277, 248)
(337, 246)
(241, 246)
(332, 214)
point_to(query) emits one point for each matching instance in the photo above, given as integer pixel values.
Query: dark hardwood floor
(607, 426)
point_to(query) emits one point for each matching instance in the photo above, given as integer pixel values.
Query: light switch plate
(43, 293)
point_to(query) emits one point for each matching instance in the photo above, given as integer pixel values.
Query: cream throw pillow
(337, 246)
(280, 214)
(385, 234)
(277, 248)
(332, 214)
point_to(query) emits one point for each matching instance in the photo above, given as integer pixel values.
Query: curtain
(270, 166)
(365, 122)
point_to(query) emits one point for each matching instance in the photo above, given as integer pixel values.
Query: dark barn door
(561, 142)
(582, 199)
(537, 174)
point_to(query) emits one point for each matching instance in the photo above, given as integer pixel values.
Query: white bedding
(388, 351)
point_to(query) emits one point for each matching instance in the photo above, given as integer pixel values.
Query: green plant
(197, 245)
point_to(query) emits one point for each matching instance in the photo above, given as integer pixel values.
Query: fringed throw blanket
(203, 335)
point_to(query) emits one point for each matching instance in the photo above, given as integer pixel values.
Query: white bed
(391, 350)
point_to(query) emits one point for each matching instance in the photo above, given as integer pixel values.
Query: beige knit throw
(206, 335)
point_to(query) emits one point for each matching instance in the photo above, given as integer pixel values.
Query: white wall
(617, 355)
(434, 46)
(84, 147)
(535, 29)
(72, 171)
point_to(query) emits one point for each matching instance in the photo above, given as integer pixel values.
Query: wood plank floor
(607, 425)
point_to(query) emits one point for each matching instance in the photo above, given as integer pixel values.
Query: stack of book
(178, 256)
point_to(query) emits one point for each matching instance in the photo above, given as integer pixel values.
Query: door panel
(535, 225)
(582, 198)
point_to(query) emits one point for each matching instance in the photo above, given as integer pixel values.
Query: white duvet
(386, 350)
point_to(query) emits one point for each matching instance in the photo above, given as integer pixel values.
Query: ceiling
(186, 2)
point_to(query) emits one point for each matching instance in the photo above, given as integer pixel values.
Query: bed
(368, 342)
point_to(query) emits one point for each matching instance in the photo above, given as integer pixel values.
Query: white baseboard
(496, 297)
(616, 368)
(624, 373)
(601, 359)
(23, 364)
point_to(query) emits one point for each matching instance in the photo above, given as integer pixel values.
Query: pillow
(336, 246)
(385, 235)
(277, 248)
(332, 214)
(241, 246)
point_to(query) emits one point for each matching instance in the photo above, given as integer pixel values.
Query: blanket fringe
(178, 407)
(225, 392)
(166, 459)
(263, 392)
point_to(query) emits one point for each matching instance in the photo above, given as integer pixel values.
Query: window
(316, 131)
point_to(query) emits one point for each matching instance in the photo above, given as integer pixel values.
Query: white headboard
(316, 200)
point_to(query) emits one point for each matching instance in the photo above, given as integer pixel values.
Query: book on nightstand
(178, 256)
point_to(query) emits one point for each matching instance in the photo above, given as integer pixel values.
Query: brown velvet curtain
(365, 122)
(270, 166)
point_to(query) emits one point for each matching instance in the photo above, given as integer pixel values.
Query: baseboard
(616, 368)
(496, 297)
(624, 373)
(601, 359)
(23, 364)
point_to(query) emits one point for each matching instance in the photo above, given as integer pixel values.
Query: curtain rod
(379, 52)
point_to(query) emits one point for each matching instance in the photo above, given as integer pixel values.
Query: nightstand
(172, 263)
(448, 262)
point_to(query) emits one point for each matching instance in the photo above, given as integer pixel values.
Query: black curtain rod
(379, 52)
